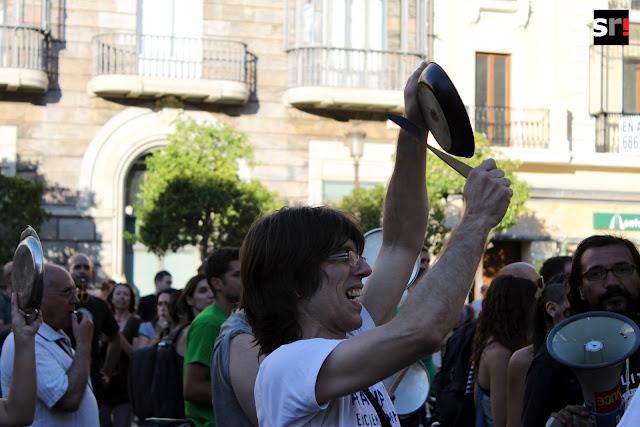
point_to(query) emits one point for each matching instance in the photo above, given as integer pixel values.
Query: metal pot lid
(28, 271)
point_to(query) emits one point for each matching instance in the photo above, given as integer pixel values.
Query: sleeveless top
(226, 408)
(484, 417)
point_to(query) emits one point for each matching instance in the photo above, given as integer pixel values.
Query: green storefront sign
(613, 221)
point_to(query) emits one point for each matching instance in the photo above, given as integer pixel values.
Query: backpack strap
(384, 420)
(176, 334)
(172, 338)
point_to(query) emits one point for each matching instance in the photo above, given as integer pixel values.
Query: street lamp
(355, 142)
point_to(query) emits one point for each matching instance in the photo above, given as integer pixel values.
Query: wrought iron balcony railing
(624, 4)
(512, 127)
(23, 47)
(170, 57)
(350, 68)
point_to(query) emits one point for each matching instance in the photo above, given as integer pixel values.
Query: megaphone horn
(594, 345)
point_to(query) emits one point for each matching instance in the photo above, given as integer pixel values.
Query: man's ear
(551, 308)
(216, 283)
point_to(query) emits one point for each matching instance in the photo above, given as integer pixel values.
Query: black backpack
(155, 380)
(454, 396)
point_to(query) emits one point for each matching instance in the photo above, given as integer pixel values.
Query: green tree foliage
(19, 206)
(192, 194)
(443, 181)
(366, 205)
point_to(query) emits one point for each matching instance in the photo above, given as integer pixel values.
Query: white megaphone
(594, 345)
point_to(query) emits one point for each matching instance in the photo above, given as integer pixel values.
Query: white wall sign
(629, 131)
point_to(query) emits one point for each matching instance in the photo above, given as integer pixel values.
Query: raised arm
(405, 217)
(19, 408)
(432, 311)
(78, 373)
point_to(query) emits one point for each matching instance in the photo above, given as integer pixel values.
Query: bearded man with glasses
(604, 277)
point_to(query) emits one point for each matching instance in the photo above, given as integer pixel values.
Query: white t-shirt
(631, 416)
(285, 388)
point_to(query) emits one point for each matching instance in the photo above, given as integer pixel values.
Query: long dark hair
(182, 307)
(578, 305)
(505, 315)
(554, 291)
(132, 295)
(280, 263)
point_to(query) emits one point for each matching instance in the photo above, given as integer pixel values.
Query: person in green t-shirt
(222, 270)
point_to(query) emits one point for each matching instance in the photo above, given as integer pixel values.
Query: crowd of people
(283, 332)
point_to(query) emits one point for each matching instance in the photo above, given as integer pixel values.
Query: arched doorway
(141, 265)
(111, 171)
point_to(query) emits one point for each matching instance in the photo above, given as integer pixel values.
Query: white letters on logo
(615, 220)
(599, 27)
(619, 223)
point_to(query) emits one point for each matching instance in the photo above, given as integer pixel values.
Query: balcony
(194, 69)
(624, 4)
(348, 79)
(23, 58)
(512, 127)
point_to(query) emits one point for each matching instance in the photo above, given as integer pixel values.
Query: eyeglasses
(352, 257)
(540, 282)
(598, 274)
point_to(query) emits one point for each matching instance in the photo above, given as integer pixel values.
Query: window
(334, 191)
(341, 23)
(343, 26)
(631, 87)
(492, 113)
(25, 12)
(171, 41)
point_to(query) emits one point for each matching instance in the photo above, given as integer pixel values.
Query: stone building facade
(90, 87)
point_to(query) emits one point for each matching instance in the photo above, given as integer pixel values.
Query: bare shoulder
(243, 341)
(496, 354)
(244, 352)
(522, 358)
(184, 332)
(181, 344)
